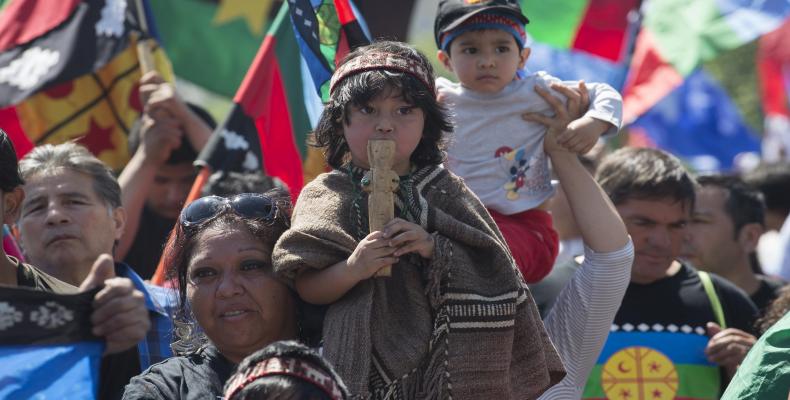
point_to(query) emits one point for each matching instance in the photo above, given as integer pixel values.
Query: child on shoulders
(454, 320)
(498, 154)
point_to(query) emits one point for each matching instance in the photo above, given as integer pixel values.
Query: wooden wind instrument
(380, 183)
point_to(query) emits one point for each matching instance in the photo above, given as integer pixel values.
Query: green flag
(212, 43)
(765, 372)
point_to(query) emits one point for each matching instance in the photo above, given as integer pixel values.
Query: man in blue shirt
(72, 214)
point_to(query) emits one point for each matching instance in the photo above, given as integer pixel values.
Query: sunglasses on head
(249, 205)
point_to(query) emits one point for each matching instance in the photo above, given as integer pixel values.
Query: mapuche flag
(47, 349)
(661, 363)
(69, 71)
(269, 122)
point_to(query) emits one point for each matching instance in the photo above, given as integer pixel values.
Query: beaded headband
(379, 60)
(487, 20)
(288, 366)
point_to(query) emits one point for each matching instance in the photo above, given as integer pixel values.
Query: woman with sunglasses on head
(230, 303)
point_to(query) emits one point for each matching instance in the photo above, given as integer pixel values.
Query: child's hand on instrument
(372, 254)
(407, 237)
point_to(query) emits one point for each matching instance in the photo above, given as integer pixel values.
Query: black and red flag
(69, 70)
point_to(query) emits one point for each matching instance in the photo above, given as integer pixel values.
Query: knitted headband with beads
(381, 60)
(288, 366)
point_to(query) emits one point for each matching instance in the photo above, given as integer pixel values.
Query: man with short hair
(71, 215)
(664, 330)
(120, 314)
(728, 220)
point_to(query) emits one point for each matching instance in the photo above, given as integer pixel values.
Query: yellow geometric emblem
(95, 109)
(639, 373)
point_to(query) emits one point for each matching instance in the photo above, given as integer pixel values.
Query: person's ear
(524, 56)
(12, 205)
(119, 218)
(444, 58)
(749, 236)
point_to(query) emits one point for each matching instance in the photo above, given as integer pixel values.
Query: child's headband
(378, 60)
(286, 366)
(487, 20)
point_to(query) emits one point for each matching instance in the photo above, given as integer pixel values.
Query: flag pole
(635, 18)
(160, 275)
(144, 43)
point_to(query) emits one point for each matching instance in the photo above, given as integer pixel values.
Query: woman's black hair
(284, 387)
(359, 89)
(181, 244)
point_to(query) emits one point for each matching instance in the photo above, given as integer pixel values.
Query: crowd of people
(625, 276)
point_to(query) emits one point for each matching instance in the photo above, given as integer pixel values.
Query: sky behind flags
(69, 71)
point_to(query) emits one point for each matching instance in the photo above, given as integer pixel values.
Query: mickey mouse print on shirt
(525, 174)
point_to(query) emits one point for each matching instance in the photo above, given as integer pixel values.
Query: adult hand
(119, 312)
(372, 254)
(159, 98)
(571, 139)
(727, 347)
(408, 237)
(161, 101)
(583, 132)
(165, 100)
(557, 126)
(160, 137)
(148, 84)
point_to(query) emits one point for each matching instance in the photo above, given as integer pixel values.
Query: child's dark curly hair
(359, 89)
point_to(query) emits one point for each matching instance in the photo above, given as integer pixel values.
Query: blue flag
(47, 350)
(699, 123)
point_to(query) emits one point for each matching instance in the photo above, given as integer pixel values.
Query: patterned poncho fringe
(461, 326)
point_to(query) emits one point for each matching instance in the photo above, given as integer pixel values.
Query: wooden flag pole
(144, 46)
(380, 182)
(145, 55)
